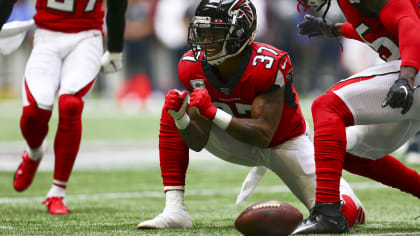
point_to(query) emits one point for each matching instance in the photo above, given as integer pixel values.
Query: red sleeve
(184, 72)
(284, 72)
(399, 16)
(347, 30)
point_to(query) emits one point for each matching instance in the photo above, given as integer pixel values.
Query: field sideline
(116, 183)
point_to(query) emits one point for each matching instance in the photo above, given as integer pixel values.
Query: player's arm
(399, 16)
(197, 133)
(6, 7)
(316, 26)
(259, 129)
(193, 128)
(265, 117)
(115, 21)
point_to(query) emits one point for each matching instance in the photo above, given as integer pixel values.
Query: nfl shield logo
(225, 91)
(197, 84)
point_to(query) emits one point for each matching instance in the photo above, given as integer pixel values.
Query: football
(268, 218)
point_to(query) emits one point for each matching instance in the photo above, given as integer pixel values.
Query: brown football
(268, 218)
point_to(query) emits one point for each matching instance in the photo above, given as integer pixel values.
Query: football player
(65, 60)
(375, 104)
(242, 108)
(6, 7)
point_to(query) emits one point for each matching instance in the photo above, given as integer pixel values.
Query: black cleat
(325, 218)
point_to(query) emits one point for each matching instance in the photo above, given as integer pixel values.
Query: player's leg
(387, 170)
(80, 67)
(38, 92)
(293, 161)
(174, 157)
(375, 163)
(356, 100)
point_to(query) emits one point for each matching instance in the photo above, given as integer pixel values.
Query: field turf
(113, 202)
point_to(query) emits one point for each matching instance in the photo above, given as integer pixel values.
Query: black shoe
(325, 218)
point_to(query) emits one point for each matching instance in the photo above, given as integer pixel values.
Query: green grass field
(113, 202)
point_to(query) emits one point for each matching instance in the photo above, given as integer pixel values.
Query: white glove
(13, 34)
(16, 27)
(250, 183)
(111, 61)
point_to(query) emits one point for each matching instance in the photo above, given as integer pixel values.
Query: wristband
(222, 119)
(183, 122)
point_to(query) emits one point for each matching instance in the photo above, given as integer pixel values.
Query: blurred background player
(258, 122)
(368, 102)
(66, 58)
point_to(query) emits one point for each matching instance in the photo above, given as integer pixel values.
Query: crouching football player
(242, 108)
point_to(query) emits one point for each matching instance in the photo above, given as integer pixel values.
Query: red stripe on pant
(330, 116)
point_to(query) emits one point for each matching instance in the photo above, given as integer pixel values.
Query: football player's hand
(400, 95)
(111, 62)
(200, 99)
(315, 26)
(175, 103)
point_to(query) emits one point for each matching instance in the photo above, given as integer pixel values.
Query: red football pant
(173, 152)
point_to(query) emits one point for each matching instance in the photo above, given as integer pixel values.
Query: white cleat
(346, 189)
(171, 218)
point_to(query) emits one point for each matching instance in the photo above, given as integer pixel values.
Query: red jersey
(262, 67)
(69, 16)
(371, 31)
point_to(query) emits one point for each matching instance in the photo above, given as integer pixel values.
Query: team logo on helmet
(245, 10)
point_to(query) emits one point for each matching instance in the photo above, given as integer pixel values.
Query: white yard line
(160, 194)
(108, 156)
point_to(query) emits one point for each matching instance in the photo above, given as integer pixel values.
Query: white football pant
(63, 63)
(293, 161)
(378, 131)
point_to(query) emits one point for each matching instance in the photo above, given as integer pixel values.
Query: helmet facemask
(312, 4)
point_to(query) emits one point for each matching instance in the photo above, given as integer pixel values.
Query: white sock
(174, 198)
(37, 153)
(56, 191)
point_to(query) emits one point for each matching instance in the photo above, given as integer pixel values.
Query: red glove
(175, 103)
(201, 100)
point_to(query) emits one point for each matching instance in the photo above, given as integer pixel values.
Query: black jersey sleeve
(115, 21)
(6, 7)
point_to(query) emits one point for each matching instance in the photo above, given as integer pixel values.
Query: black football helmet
(315, 5)
(221, 29)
